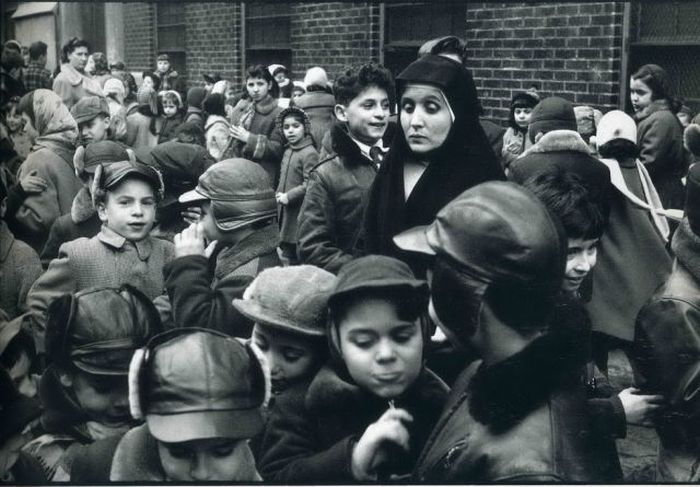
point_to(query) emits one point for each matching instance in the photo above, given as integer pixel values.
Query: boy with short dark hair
(331, 215)
(35, 74)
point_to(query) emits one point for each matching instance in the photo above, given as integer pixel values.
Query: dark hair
(569, 199)
(619, 149)
(659, 82)
(26, 105)
(295, 115)
(37, 49)
(21, 343)
(354, 80)
(7, 106)
(260, 71)
(71, 46)
(130, 81)
(154, 77)
(409, 307)
(190, 133)
(214, 104)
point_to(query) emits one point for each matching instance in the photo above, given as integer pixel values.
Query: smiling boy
(331, 215)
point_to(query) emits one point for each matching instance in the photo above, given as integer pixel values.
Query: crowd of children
(357, 281)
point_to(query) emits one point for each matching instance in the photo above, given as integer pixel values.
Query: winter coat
(660, 142)
(19, 268)
(517, 138)
(524, 419)
(494, 134)
(200, 290)
(297, 163)
(331, 215)
(196, 116)
(82, 221)
(107, 259)
(138, 131)
(632, 262)
(319, 106)
(266, 143)
(216, 135)
(312, 428)
(71, 85)
(171, 80)
(667, 351)
(168, 128)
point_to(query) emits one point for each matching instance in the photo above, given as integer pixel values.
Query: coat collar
(305, 142)
(113, 239)
(7, 240)
(136, 458)
(653, 107)
(73, 76)
(559, 140)
(82, 208)
(266, 105)
(261, 242)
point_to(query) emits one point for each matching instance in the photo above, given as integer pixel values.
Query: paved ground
(637, 451)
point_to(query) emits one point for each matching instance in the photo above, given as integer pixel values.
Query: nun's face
(425, 117)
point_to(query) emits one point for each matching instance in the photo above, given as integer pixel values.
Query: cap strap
(103, 346)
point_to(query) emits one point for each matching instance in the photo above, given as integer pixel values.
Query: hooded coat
(52, 159)
(464, 160)
(297, 163)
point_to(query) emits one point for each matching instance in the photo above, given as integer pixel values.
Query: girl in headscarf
(439, 151)
(53, 133)
(115, 91)
(143, 127)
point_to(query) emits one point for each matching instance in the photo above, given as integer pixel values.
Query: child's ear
(66, 379)
(101, 211)
(340, 112)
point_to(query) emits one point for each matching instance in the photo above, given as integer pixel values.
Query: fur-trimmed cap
(279, 121)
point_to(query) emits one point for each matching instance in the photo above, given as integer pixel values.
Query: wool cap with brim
(115, 173)
(88, 107)
(291, 298)
(200, 384)
(102, 153)
(483, 232)
(374, 273)
(240, 192)
(553, 113)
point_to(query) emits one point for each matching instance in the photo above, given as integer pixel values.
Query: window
(170, 24)
(408, 25)
(267, 34)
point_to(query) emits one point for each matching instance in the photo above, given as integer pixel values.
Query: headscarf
(115, 86)
(220, 87)
(465, 159)
(51, 118)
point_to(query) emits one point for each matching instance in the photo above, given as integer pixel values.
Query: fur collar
(266, 105)
(344, 147)
(262, 242)
(82, 208)
(213, 120)
(559, 140)
(654, 106)
(136, 458)
(686, 246)
(503, 394)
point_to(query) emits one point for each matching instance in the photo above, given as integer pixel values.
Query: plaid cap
(88, 108)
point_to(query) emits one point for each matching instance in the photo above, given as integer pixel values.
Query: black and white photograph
(400, 242)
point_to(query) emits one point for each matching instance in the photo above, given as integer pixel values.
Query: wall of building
(567, 49)
(140, 36)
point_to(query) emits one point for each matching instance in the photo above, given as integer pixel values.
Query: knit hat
(86, 159)
(553, 113)
(196, 96)
(147, 97)
(527, 99)
(279, 121)
(98, 329)
(163, 57)
(89, 107)
(195, 383)
(691, 138)
(290, 298)
(616, 124)
(240, 192)
(316, 76)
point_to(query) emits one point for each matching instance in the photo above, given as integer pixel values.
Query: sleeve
(656, 138)
(194, 302)
(56, 281)
(38, 211)
(296, 194)
(64, 90)
(131, 131)
(265, 147)
(29, 271)
(290, 449)
(608, 417)
(316, 234)
(54, 241)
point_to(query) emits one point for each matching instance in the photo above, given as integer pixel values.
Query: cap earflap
(79, 161)
(96, 184)
(257, 357)
(135, 370)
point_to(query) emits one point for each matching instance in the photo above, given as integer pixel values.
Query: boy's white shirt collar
(364, 148)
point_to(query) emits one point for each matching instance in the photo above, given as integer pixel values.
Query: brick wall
(140, 38)
(333, 35)
(213, 41)
(567, 49)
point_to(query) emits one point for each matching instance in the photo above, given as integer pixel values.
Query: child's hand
(33, 184)
(190, 241)
(368, 453)
(192, 214)
(513, 147)
(639, 408)
(282, 199)
(238, 132)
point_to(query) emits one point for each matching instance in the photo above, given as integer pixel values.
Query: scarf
(57, 129)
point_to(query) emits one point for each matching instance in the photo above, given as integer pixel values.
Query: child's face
(13, 120)
(29, 129)
(21, 376)
(129, 209)
(640, 94)
(215, 459)
(163, 66)
(105, 399)
(382, 353)
(257, 88)
(280, 77)
(297, 93)
(169, 108)
(425, 118)
(148, 83)
(291, 356)
(580, 259)
(94, 130)
(211, 231)
(522, 116)
(367, 115)
(293, 129)
(683, 118)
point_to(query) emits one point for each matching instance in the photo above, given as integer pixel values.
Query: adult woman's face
(425, 117)
(79, 58)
